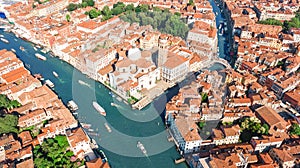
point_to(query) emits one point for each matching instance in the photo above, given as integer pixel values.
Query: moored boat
(102, 155)
(72, 105)
(13, 50)
(35, 48)
(39, 56)
(49, 83)
(86, 126)
(99, 108)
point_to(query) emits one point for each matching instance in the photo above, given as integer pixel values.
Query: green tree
(271, 21)
(295, 129)
(106, 11)
(201, 124)
(89, 2)
(204, 97)
(68, 17)
(117, 11)
(129, 7)
(93, 13)
(8, 124)
(84, 4)
(71, 7)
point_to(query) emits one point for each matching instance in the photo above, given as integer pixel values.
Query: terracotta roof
(97, 163)
(26, 164)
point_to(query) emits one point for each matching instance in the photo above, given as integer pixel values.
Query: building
(226, 135)
(283, 157)
(33, 118)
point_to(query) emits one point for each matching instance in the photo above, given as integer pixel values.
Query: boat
(83, 83)
(142, 148)
(102, 155)
(72, 105)
(15, 39)
(107, 127)
(38, 46)
(86, 126)
(1, 35)
(44, 51)
(99, 108)
(90, 130)
(13, 50)
(49, 83)
(39, 56)
(4, 40)
(94, 143)
(55, 74)
(22, 48)
(113, 104)
(35, 48)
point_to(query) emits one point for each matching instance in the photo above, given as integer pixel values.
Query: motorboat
(4, 40)
(99, 108)
(39, 56)
(13, 50)
(72, 105)
(86, 126)
(107, 127)
(22, 48)
(55, 74)
(49, 83)
(141, 147)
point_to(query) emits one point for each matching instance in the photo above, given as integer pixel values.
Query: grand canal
(128, 126)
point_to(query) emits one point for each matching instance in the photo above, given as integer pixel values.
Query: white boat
(55, 74)
(86, 126)
(99, 108)
(142, 148)
(83, 83)
(13, 50)
(39, 56)
(22, 48)
(72, 105)
(107, 127)
(4, 40)
(49, 83)
(113, 104)
(1, 35)
(44, 51)
(35, 48)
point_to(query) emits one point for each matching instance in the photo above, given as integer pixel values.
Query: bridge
(220, 61)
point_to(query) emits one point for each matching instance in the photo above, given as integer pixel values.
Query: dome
(134, 54)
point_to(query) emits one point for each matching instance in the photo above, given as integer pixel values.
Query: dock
(177, 161)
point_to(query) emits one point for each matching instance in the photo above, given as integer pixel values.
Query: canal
(128, 126)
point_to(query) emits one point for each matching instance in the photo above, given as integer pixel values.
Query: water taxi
(142, 148)
(39, 56)
(107, 127)
(4, 40)
(72, 105)
(99, 108)
(55, 74)
(49, 83)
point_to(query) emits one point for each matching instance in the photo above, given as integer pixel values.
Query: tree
(129, 7)
(295, 129)
(71, 7)
(201, 124)
(177, 14)
(68, 17)
(204, 97)
(89, 2)
(106, 11)
(93, 13)
(117, 11)
(8, 124)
